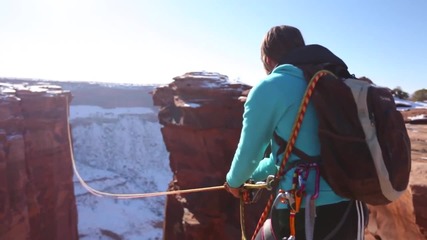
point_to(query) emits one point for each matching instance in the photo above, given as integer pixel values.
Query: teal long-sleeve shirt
(272, 105)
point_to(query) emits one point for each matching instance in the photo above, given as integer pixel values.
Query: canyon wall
(201, 116)
(36, 189)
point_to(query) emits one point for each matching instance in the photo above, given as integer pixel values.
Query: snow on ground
(118, 151)
(85, 111)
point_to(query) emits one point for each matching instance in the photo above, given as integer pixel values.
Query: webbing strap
(310, 216)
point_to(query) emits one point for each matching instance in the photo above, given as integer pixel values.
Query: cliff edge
(201, 114)
(36, 189)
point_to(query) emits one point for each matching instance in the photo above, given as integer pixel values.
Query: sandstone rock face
(394, 221)
(36, 189)
(418, 180)
(406, 217)
(201, 115)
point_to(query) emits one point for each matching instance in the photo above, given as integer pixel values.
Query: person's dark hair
(278, 42)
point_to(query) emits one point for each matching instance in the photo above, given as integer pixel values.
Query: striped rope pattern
(294, 134)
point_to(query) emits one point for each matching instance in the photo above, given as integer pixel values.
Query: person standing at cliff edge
(270, 109)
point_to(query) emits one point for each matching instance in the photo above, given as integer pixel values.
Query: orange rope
(289, 147)
(292, 223)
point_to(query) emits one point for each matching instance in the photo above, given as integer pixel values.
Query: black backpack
(365, 148)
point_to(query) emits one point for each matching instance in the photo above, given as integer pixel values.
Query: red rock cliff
(36, 190)
(201, 115)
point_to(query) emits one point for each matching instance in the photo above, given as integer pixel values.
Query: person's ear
(271, 64)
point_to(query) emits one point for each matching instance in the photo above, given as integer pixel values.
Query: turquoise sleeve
(266, 167)
(259, 120)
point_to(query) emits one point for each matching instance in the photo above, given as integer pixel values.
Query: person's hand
(234, 191)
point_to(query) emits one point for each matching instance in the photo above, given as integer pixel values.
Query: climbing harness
(294, 197)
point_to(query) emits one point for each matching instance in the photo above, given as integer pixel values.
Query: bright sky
(152, 41)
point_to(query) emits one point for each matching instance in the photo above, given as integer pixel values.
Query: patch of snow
(418, 117)
(205, 74)
(126, 155)
(85, 111)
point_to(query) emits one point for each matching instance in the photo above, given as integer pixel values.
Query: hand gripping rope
(248, 195)
(289, 147)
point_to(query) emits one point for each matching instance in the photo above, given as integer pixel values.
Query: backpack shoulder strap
(299, 153)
